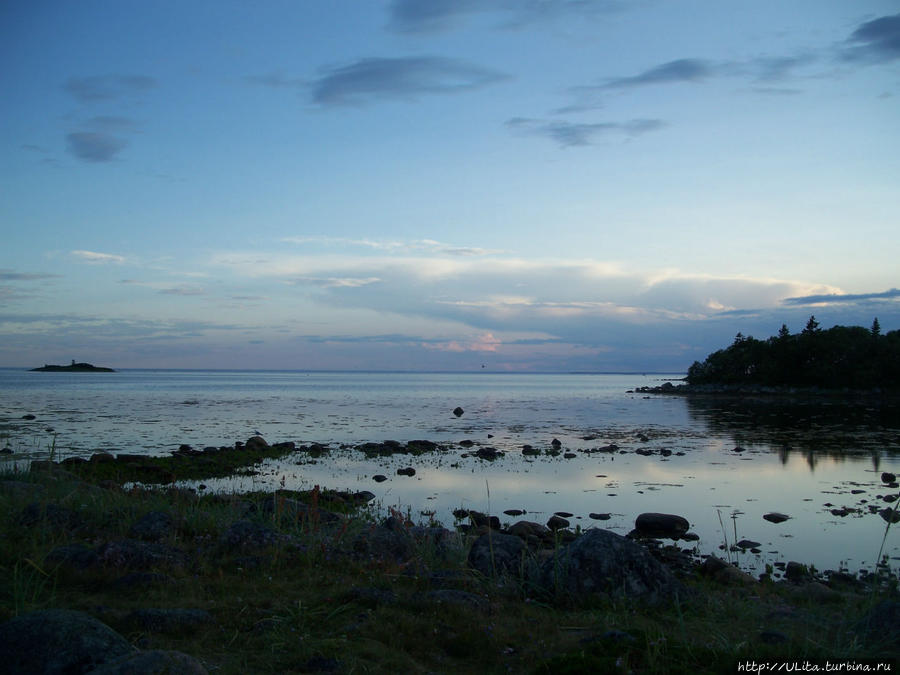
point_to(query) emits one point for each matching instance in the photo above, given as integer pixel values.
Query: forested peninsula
(842, 357)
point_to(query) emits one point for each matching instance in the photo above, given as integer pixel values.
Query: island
(838, 359)
(73, 368)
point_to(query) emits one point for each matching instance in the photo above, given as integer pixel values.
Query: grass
(321, 608)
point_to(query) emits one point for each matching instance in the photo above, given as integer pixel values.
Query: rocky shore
(104, 579)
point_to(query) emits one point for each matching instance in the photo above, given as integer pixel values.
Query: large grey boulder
(58, 641)
(601, 562)
(494, 554)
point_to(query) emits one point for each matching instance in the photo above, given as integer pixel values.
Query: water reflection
(812, 429)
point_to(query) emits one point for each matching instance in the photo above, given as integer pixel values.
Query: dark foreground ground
(98, 578)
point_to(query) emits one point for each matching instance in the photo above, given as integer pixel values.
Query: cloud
(336, 282)
(423, 16)
(94, 257)
(572, 134)
(107, 87)
(843, 298)
(401, 78)
(95, 146)
(394, 246)
(8, 275)
(876, 41)
(183, 290)
(680, 70)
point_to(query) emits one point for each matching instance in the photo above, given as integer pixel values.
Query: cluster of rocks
(59, 641)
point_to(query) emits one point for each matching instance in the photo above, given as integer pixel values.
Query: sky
(523, 185)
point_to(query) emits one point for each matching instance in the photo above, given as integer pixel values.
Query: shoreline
(771, 392)
(309, 582)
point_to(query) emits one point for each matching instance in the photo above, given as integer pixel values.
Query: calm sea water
(803, 460)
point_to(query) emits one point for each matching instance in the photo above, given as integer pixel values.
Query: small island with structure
(73, 368)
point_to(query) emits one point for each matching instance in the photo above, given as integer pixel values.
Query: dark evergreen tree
(840, 357)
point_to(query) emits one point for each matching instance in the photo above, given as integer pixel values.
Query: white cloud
(94, 257)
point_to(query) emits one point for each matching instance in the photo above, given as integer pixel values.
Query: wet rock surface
(605, 563)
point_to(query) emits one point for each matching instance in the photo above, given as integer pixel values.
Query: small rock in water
(738, 448)
(857, 492)
(28, 417)
(890, 515)
(563, 514)
(599, 516)
(408, 471)
(569, 455)
(458, 411)
(887, 477)
(746, 543)
(556, 443)
(664, 525)
(379, 478)
(514, 512)
(776, 517)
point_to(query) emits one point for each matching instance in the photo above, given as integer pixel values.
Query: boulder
(525, 529)
(795, 571)
(153, 526)
(888, 477)
(458, 411)
(153, 662)
(557, 523)
(601, 562)
(776, 517)
(495, 554)
(57, 642)
(660, 525)
(725, 573)
(132, 554)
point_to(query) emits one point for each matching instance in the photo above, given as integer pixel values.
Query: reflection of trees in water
(833, 429)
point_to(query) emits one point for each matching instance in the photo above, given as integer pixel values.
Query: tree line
(840, 357)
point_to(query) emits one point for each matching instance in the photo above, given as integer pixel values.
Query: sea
(722, 463)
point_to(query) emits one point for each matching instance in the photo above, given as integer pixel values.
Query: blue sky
(427, 184)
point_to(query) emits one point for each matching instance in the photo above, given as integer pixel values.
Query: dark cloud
(376, 78)
(94, 146)
(774, 69)
(843, 298)
(423, 16)
(107, 87)
(876, 41)
(572, 134)
(7, 275)
(680, 70)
